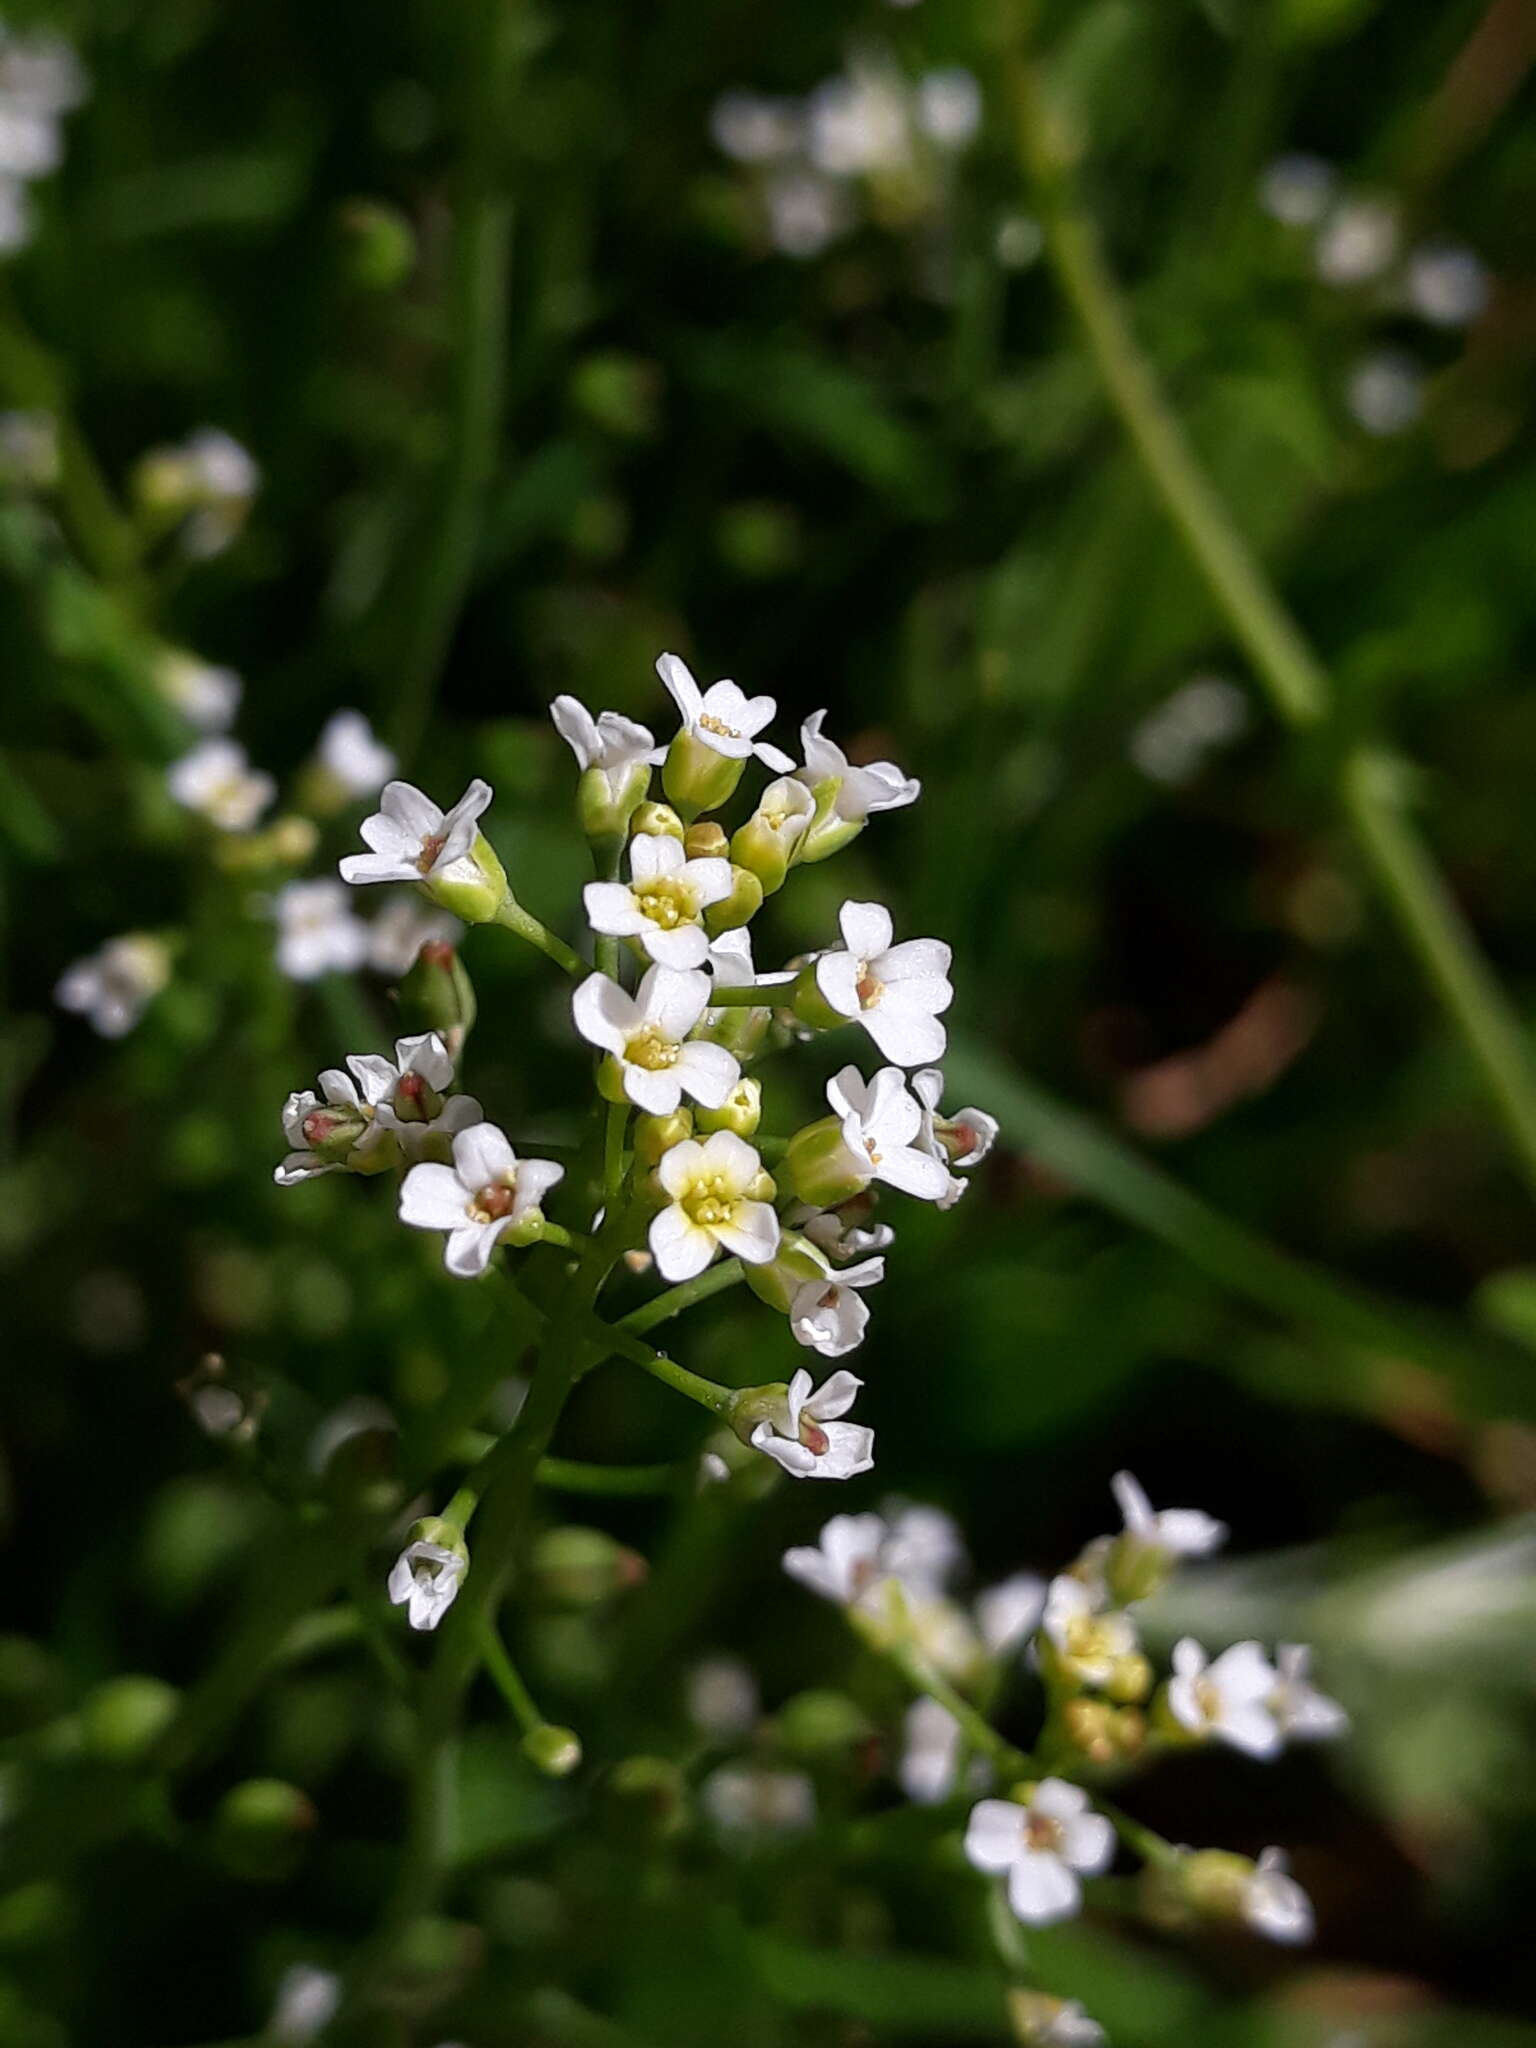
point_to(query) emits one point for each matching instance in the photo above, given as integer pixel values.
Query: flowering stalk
(514, 918)
(713, 1280)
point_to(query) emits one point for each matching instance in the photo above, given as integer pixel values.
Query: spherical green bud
(438, 995)
(696, 778)
(705, 841)
(554, 1751)
(259, 1828)
(580, 1567)
(659, 821)
(121, 1721)
(740, 907)
(741, 1111)
(820, 1167)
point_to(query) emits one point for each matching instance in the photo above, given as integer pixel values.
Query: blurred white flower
(487, 1191)
(723, 1699)
(747, 1800)
(752, 128)
(306, 2003)
(1228, 1698)
(712, 1205)
(646, 1034)
(812, 1441)
(1274, 1904)
(1357, 242)
(1018, 241)
(206, 696)
(949, 106)
(930, 1753)
(1297, 189)
(317, 932)
(828, 1315)
(218, 782)
(1182, 1532)
(1090, 1637)
(402, 928)
(31, 142)
(222, 480)
(1043, 1848)
(425, 1580)
(924, 1548)
(895, 992)
(1170, 744)
(1385, 392)
(1010, 1612)
(113, 986)
(410, 838)
(40, 73)
(350, 752)
(1303, 1713)
(806, 212)
(845, 1562)
(1447, 284)
(857, 123)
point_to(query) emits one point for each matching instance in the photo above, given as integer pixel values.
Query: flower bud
(605, 811)
(655, 1135)
(554, 1751)
(828, 833)
(331, 1129)
(579, 1567)
(696, 778)
(658, 821)
(741, 1111)
(1135, 1569)
(438, 995)
(705, 841)
(740, 907)
(821, 1724)
(769, 840)
(781, 1278)
(288, 842)
(122, 1720)
(821, 1168)
(472, 889)
(810, 1005)
(1089, 1725)
(259, 1828)
(1130, 1681)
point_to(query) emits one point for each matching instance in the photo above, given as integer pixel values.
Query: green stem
(513, 918)
(714, 1280)
(614, 1129)
(1281, 656)
(507, 1679)
(616, 1339)
(748, 996)
(569, 1475)
(1150, 1846)
(920, 1675)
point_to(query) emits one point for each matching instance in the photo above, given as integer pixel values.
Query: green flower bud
(740, 907)
(810, 1005)
(378, 244)
(1130, 1681)
(655, 1135)
(705, 841)
(829, 835)
(820, 1167)
(821, 1724)
(259, 1828)
(780, 1280)
(659, 821)
(1135, 1569)
(771, 837)
(554, 1751)
(578, 1567)
(122, 1720)
(474, 888)
(741, 1111)
(438, 995)
(696, 778)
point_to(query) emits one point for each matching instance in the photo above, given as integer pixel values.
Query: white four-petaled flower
(425, 1579)
(206, 696)
(1089, 1635)
(611, 742)
(116, 984)
(410, 838)
(712, 1205)
(1304, 1713)
(1274, 1904)
(846, 1560)
(351, 752)
(881, 1121)
(487, 1191)
(960, 1141)
(1042, 1848)
(875, 786)
(317, 932)
(828, 1315)
(1228, 1698)
(663, 901)
(398, 1101)
(218, 782)
(1182, 1532)
(895, 992)
(723, 717)
(647, 1034)
(812, 1441)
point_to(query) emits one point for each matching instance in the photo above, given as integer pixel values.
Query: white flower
(930, 1753)
(806, 212)
(1274, 1904)
(1296, 189)
(1229, 1698)
(722, 1698)
(610, 742)
(1182, 1532)
(963, 1140)
(1385, 392)
(1304, 1713)
(410, 838)
(207, 697)
(425, 1580)
(217, 780)
(1042, 1848)
(711, 1205)
(881, 1121)
(1447, 285)
(316, 930)
(924, 1549)
(662, 902)
(836, 1236)
(311, 1121)
(828, 1316)
(895, 992)
(876, 786)
(1009, 1612)
(307, 2001)
(487, 1191)
(847, 1559)
(1358, 241)
(949, 106)
(813, 1442)
(350, 751)
(402, 928)
(223, 476)
(1054, 2022)
(750, 1799)
(29, 447)
(722, 717)
(858, 124)
(116, 984)
(647, 1034)
(397, 1102)
(1089, 1636)
(751, 128)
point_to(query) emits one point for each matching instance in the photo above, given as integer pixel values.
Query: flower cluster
(40, 82)
(1103, 1712)
(868, 140)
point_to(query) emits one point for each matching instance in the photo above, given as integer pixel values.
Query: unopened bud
(821, 1724)
(655, 1135)
(579, 1567)
(1135, 1569)
(1130, 1680)
(741, 1111)
(438, 995)
(332, 1129)
(769, 840)
(1089, 1725)
(554, 1751)
(820, 1167)
(473, 888)
(696, 778)
(656, 821)
(705, 841)
(259, 1828)
(739, 908)
(121, 1721)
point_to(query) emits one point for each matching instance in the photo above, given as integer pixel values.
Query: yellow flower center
(869, 990)
(650, 1050)
(494, 1201)
(710, 1201)
(1042, 1833)
(872, 1150)
(666, 903)
(431, 847)
(709, 723)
